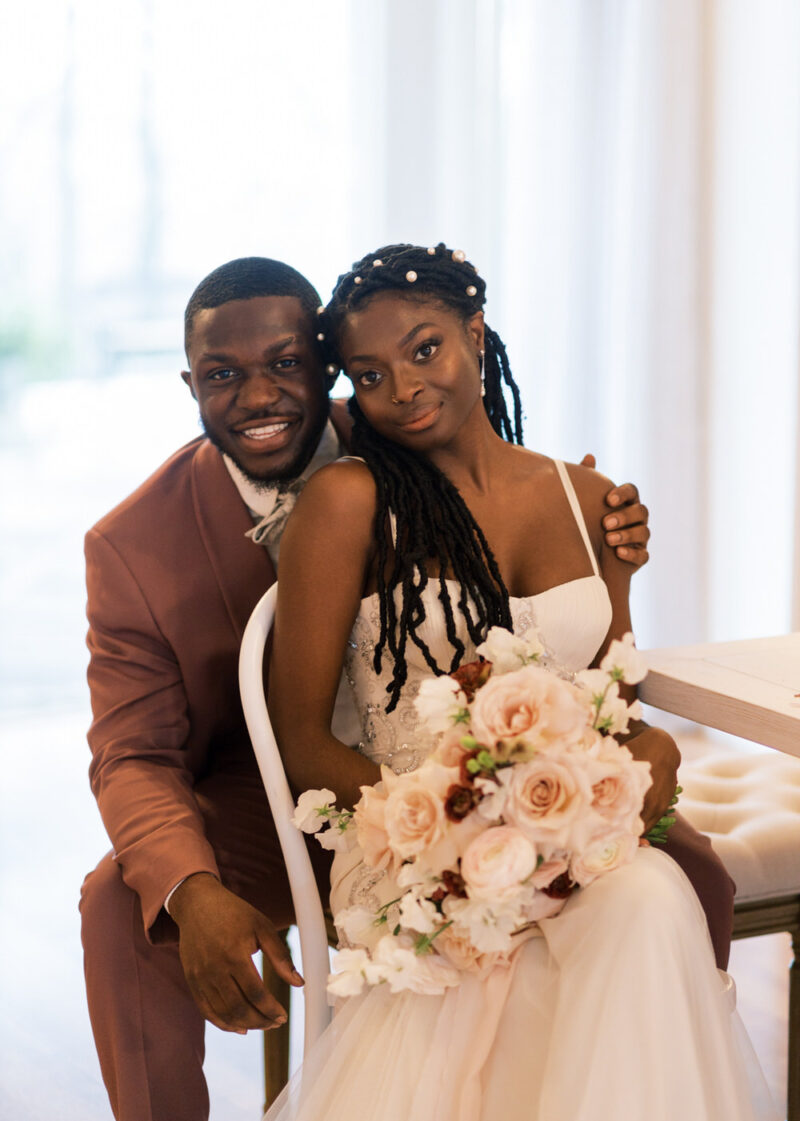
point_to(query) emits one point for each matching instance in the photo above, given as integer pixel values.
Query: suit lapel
(243, 569)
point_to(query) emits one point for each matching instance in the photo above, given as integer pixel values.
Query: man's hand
(625, 529)
(219, 933)
(660, 750)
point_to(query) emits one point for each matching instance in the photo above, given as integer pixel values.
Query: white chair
(309, 914)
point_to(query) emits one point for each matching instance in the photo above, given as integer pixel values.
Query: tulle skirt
(614, 1010)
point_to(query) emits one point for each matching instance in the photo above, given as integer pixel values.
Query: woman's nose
(406, 387)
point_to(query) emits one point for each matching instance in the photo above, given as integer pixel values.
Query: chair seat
(749, 806)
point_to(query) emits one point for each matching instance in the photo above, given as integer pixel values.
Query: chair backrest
(305, 896)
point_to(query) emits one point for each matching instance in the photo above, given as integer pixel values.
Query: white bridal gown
(615, 1011)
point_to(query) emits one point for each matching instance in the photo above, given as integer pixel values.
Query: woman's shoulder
(342, 489)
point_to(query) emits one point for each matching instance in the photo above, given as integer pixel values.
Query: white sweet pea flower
(507, 651)
(493, 802)
(488, 924)
(307, 816)
(624, 662)
(440, 703)
(352, 967)
(339, 838)
(356, 925)
(418, 913)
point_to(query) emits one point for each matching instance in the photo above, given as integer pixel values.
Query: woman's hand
(658, 748)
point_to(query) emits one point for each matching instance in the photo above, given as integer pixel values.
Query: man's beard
(289, 472)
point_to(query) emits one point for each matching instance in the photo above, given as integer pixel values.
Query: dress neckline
(434, 580)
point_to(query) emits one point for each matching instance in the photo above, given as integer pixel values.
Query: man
(195, 884)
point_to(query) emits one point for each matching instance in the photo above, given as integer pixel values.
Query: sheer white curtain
(626, 175)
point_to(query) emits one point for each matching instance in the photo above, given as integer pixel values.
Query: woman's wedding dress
(613, 1011)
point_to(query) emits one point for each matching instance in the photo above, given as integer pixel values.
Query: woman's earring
(483, 374)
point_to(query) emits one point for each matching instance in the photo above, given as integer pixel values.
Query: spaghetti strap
(577, 512)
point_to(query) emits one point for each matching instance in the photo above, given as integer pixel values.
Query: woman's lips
(422, 420)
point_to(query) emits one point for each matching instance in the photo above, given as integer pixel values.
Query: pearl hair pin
(472, 290)
(411, 276)
(432, 251)
(459, 255)
(331, 369)
(356, 280)
(320, 337)
(377, 264)
(321, 309)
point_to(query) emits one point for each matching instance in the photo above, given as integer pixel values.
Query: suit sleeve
(139, 773)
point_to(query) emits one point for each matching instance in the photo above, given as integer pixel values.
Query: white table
(746, 688)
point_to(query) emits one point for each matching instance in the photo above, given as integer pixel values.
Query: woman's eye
(428, 348)
(368, 378)
(286, 364)
(221, 375)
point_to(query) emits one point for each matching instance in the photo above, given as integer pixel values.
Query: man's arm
(625, 529)
(145, 792)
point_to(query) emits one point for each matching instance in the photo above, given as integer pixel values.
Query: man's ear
(475, 325)
(187, 380)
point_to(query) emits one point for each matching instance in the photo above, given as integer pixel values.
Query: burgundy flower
(471, 676)
(454, 883)
(561, 887)
(460, 801)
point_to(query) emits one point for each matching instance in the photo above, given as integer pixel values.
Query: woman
(397, 564)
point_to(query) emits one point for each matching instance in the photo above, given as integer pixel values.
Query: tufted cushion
(749, 805)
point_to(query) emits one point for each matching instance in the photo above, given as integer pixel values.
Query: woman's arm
(651, 744)
(326, 552)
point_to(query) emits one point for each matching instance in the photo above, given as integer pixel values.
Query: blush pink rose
(414, 818)
(547, 796)
(369, 819)
(618, 791)
(457, 947)
(529, 704)
(497, 862)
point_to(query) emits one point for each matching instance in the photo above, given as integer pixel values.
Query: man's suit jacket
(171, 581)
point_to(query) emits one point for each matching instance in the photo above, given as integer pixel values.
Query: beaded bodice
(572, 620)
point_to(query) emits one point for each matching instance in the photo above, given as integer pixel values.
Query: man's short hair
(244, 279)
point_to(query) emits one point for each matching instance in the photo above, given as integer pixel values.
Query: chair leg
(793, 1103)
(276, 1041)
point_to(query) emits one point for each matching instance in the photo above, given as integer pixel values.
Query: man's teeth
(265, 432)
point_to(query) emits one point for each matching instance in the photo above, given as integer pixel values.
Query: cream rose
(604, 852)
(529, 704)
(414, 818)
(546, 796)
(497, 862)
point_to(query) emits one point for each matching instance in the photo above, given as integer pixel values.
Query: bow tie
(269, 529)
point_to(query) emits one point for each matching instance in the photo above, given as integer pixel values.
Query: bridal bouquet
(526, 797)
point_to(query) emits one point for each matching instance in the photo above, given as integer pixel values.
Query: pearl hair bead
(377, 264)
(356, 280)
(411, 276)
(321, 309)
(330, 369)
(432, 251)
(472, 290)
(320, 337)
(459, 255)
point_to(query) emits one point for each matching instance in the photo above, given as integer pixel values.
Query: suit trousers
(148, 1032)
